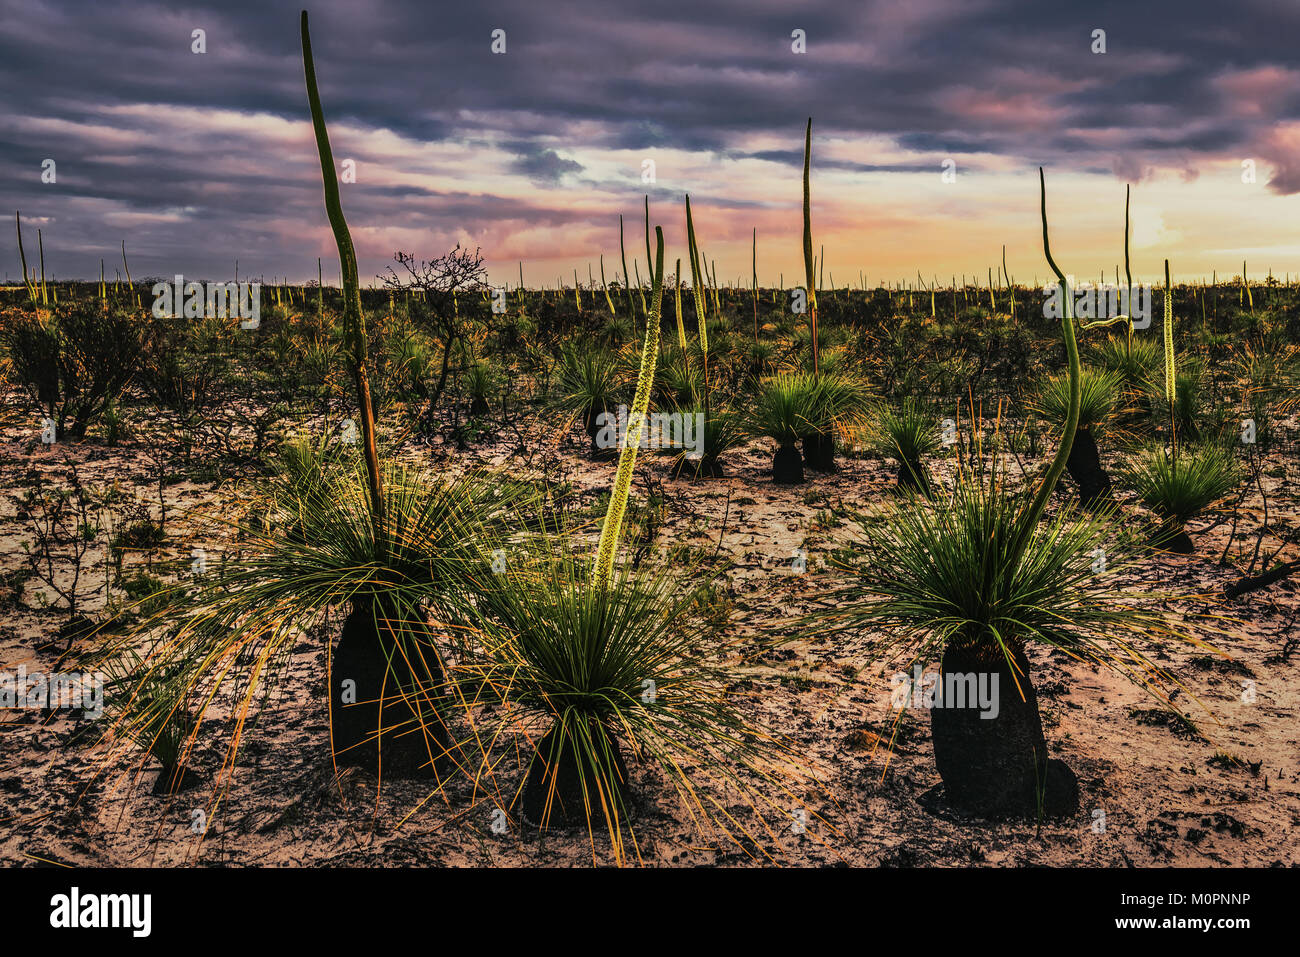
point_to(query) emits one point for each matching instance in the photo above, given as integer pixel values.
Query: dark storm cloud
(542, 166)
(795, 158)
(112, 91)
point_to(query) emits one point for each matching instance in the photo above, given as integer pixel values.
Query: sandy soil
(1230, 796)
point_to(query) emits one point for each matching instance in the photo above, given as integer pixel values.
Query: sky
(199, 160)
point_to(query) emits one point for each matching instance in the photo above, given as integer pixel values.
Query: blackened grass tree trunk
(1084, 465)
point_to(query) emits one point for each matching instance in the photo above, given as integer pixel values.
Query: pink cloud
(1260, 91)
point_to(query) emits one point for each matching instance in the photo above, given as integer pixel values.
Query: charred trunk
(706, 466)
(1172, 537)
(787, 465)
(914, 476)
(1084, 466)
(557, 776)
(385, 684)
(994, 761)
(175, 778)
(594, 426)
(819, 451)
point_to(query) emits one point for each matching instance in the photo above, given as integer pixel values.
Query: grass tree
(1133, 360)
(906, 432)
(1178, 405)
(310, 552)
(977, 578)
(387, 547)
(1178, 489)
(1100, 395)
(784, 410)
(608, 662)
(714, 435)
(839, 407)
(590, 384)
(722, 435)
(839, 396)
(160, 721)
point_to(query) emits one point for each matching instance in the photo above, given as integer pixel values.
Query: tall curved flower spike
(627, 276)
(608, 301)
(807, 247)
(697, 281)
(1171, 383)
(31, 292)
(353, 322)
(1029, 518)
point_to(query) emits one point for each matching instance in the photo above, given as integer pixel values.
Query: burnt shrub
(74, 362)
